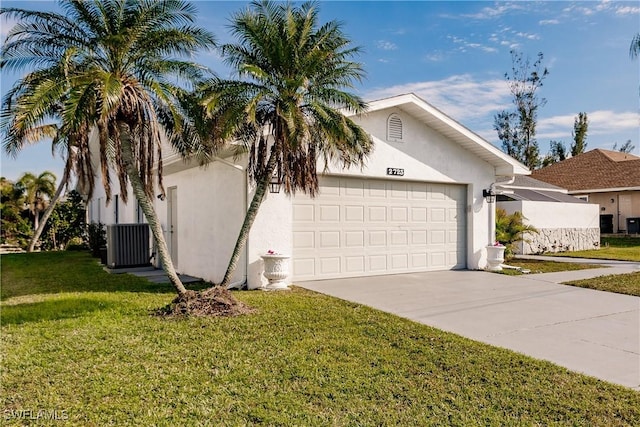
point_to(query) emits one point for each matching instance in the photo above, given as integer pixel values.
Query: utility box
(606, 224)
(633, 225)
(127, 245)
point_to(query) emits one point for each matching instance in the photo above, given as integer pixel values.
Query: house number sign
(395, 171)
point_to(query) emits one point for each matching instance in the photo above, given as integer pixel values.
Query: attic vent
(394, 128)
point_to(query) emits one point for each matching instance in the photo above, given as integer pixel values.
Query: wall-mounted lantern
(275, 184)
(489, 195)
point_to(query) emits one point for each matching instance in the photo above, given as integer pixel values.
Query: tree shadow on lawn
(60, 272)
(53, 309)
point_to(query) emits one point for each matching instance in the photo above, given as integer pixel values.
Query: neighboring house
(417, 205)
(608, 178)
(564, 222)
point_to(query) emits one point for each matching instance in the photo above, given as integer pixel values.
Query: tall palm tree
(634, 49)
(293, 77)
(123, 59)
(31, 112)
(38, 191)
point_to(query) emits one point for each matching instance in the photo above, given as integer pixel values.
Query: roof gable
(597, 169)
(426, 113)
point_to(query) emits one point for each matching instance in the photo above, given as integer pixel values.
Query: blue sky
(455, 54)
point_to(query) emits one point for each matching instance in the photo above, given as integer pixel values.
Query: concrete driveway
(592, 332)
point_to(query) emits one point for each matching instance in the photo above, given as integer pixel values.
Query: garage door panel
(438, 215)
(418, 214)
(377, 238)
(354, 213)
(303, 212)
(329, 213)
(355, 264)
(378, 263)
(359, 227)
(354, 239)
(419, 260)
(303, 240)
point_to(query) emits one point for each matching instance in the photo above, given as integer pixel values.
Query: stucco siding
(211, 205)
(620, 204)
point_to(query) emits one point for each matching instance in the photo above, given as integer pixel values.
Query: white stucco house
(418, 205)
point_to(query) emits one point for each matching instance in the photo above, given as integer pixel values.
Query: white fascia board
(520, 187)
(604, 190)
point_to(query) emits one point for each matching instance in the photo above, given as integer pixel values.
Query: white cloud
(495, 11)
(461, 96)
(627, 10)
(435, 57)
(601, 122)
(464, 45)
(549, 22)
(528, 36)
(386, 45)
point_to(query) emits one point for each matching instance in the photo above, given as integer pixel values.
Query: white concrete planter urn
(495, 256)
(276, 270)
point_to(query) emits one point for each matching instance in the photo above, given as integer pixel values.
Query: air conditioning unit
(127, 245)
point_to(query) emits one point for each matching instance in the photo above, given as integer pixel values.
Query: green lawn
(620, 283)
(539, 266)
(80, 342)
(614, 248)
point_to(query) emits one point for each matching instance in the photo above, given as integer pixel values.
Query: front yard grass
(628, 284)
(81, 342)
(612, 248)
(540, 266)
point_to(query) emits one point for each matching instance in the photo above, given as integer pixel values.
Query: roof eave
(604, 190)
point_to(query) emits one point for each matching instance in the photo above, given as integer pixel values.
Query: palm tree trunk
(36, 223)
(252, 212)
(147, 207)
(45, 216)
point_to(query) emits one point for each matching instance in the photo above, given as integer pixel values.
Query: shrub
(96, 238)
(511, 229)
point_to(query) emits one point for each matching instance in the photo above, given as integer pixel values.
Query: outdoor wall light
(489, 195)
(274, 184)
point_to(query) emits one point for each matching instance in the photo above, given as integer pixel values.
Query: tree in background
(296, 72)
(627, 147)
(557, 153)
(634, 49)
(15, 228)
(517, 128)
(38, 192)
(580, 126)
(67, 222)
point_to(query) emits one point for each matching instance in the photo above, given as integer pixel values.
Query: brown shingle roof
(595, 169)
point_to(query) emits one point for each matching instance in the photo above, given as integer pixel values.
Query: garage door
(364, 227)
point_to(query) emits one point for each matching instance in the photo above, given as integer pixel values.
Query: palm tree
(293, 79)
(511, 230)
(122, 59)
(31, 112)
(634, 49)
(38, 190)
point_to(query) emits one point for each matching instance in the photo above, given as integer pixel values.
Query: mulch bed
(212, 302)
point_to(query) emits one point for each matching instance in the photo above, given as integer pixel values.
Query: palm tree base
(212, 302)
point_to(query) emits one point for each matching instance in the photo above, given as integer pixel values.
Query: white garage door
(364, 227)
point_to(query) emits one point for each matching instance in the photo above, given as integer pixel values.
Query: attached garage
(416, 205)
(364, 227)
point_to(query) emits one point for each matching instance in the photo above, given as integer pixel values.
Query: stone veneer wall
(561, 240)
